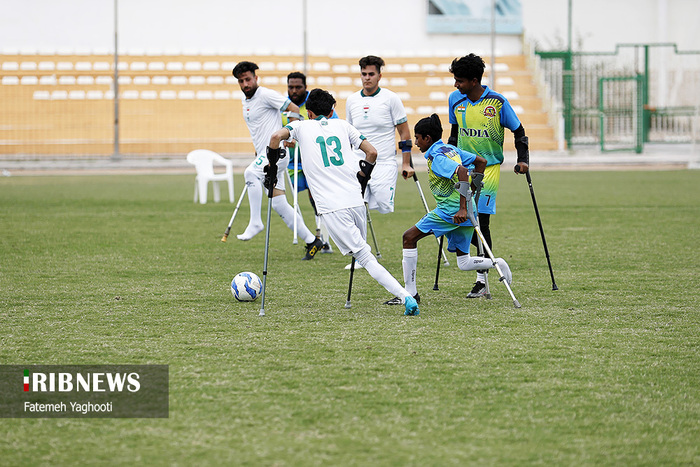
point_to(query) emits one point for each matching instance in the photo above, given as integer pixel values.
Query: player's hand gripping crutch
(425, 205)
(273, 155)
(466, 192)
(235, 211)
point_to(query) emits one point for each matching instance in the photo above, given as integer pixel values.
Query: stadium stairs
(62, 105)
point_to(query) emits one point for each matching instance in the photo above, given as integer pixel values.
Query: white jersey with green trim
(376, 117)
(330, 161)
(262, 115)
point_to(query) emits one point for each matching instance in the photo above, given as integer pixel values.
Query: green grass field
(126, 269)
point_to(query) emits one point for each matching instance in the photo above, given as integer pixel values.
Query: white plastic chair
(203, 161)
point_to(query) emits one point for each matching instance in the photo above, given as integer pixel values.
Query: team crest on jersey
(461, 109)
(366, 109)
(490, 111)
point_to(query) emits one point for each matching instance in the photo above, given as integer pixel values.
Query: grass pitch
(126, 269)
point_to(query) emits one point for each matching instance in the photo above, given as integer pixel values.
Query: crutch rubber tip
(447, 263)
(348, 304)
(554, 287)
(262, 313)
(435, 287)
(516, 304)
(379, 255)
(223, 239)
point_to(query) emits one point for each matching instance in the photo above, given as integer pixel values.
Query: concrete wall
(390, 27)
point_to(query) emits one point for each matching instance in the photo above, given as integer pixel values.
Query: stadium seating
(173, 104)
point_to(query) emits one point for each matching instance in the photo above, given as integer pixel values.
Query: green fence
(639, 93)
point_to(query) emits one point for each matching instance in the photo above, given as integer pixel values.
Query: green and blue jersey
(443, 160)
(482, 123)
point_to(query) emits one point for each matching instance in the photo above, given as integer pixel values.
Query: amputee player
(297, 93)
(447, 165)
(261, 111)
(331, 164)
(479, 116)
(378, 113)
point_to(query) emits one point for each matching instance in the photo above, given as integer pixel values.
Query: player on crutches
(337, 186)
(297, 93)
(453, 217)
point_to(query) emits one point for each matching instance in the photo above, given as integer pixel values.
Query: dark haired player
(479, 117)
(261, 111)
(331, 164)
(447, 165)
(297, 93)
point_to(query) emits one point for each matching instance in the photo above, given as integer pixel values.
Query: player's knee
(249, 175)
(410, 238)
(364, 255)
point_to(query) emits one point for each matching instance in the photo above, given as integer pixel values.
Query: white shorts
(348, 228)
(256, 168)
(381, 188)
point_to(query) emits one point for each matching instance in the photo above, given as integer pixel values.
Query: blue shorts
(302, 179)
(459, 237)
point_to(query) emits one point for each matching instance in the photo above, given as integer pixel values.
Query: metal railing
(666, 84)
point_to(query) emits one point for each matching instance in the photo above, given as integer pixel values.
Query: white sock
(480, 277)
(286, 212)
(410, 264)
(255, 196)
(471, 263)
(380, 274)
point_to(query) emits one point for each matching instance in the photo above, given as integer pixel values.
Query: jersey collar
(486, 91)
(362, 92)
(434, 146)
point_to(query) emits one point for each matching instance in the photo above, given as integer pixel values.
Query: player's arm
(523, 149)
(293, 111)
(405, 145)
(462, 176)
(369, 150)
(366, 164)
(278, 136)
(454, 132)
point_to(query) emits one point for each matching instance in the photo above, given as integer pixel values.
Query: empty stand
(171, 104)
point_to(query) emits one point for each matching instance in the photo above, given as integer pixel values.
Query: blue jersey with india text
(482, 123)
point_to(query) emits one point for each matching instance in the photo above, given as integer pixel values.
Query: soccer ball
(246, 286)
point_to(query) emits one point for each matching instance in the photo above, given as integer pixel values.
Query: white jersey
(376, 117)
(262, 115)
(330, 162)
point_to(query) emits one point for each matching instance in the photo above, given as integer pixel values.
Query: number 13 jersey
(330, 161)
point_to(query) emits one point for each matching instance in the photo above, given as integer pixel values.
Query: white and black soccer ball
(246, 286)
